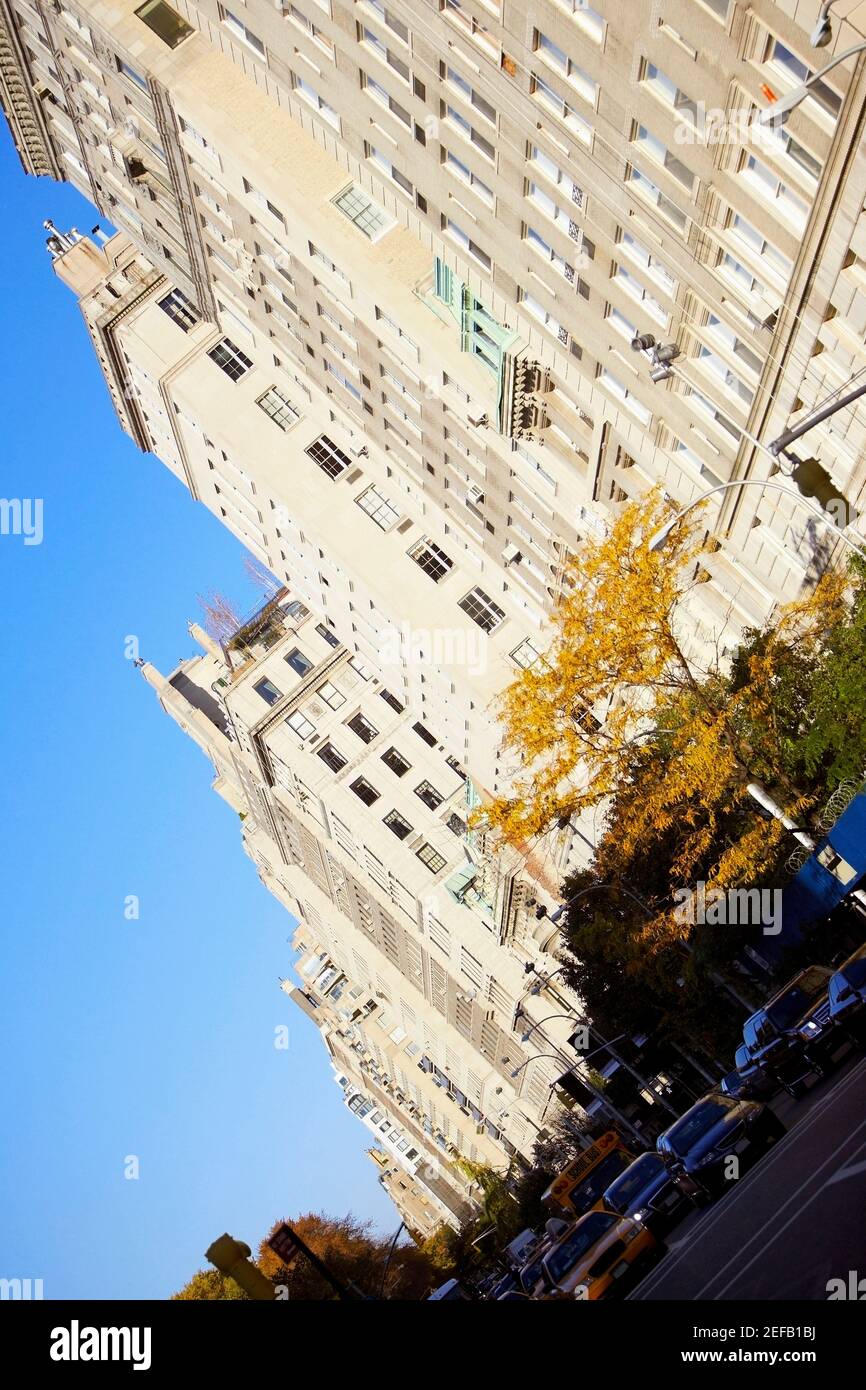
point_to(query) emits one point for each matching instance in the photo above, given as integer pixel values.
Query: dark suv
(792, 1038)
(697, 1147)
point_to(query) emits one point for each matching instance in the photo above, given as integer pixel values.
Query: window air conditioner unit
(475, 496)
(478, 420)
(511, 555)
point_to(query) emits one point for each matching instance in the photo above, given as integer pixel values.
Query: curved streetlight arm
(778, 113)
(658, 540)
(541, 1022)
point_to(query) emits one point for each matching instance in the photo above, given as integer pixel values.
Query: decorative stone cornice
(21, 106)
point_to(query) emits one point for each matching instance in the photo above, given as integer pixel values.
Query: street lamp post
(661, 358)
(658, 540)
(777, 114)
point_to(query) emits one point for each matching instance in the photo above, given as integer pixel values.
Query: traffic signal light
(813, 480)
(232, 1258)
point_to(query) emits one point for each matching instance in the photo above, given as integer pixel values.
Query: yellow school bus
(578, 1188)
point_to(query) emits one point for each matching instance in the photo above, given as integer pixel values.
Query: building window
(165, 22)
(651, 192)
(362, 727)
(279, 408)
(268, 691)
(432, 559)
(132, 75)
(397, 763)
(327, 634)
(580, 80)
(363, 671)
(359, 207)
(425, 735)
(458, 235)
(466, 175)
(482, 610)
(391, 700)
(230, 358)
(378, 508)
(659, 152)
(298, 661)
(239, 29)
(332, 757)
(331, 695)
(330, 459)
(429, 795)
(431, 857)
(368, 794)
(300, 725)
(525, 656)
(383, 162)
(400, 827)
(180, 310)
(312, 98)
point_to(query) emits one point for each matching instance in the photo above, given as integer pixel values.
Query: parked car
(748, 1080)
(447, 1292)
(507, 1284)
(847, 995)
(775, 1036)
(601, 1257)
(695, 1148)
(646, 1192)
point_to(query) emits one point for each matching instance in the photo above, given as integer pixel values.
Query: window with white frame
(543, 249)
(544, 316)
(300, 725)
(657, 150)
(379, 93)
(791, 208)
(468, 176)
(331, 695)
(668, 92)
(474, 97)
(625, 396)
(328, 456)
(560, 60)
(543, 93)
(432, 559)
(309, 94)
(360, 209)
(637, 252)
(179, 309)
(378, 508)
(456, 119)
(238, 28)
(636, 291)
(279, 408)
(651, 193)
(230, 358)
(482, 610)
(383, 161)
(457, 234)
(526, 655)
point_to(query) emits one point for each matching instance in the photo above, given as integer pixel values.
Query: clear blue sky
(154, 1037)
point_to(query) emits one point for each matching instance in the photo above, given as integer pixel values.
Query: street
(794, 1222)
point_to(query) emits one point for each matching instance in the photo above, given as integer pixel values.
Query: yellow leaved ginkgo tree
(624, 710)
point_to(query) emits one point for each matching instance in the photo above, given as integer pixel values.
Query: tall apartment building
(448, 219)
(419, 953)
(378, 270)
